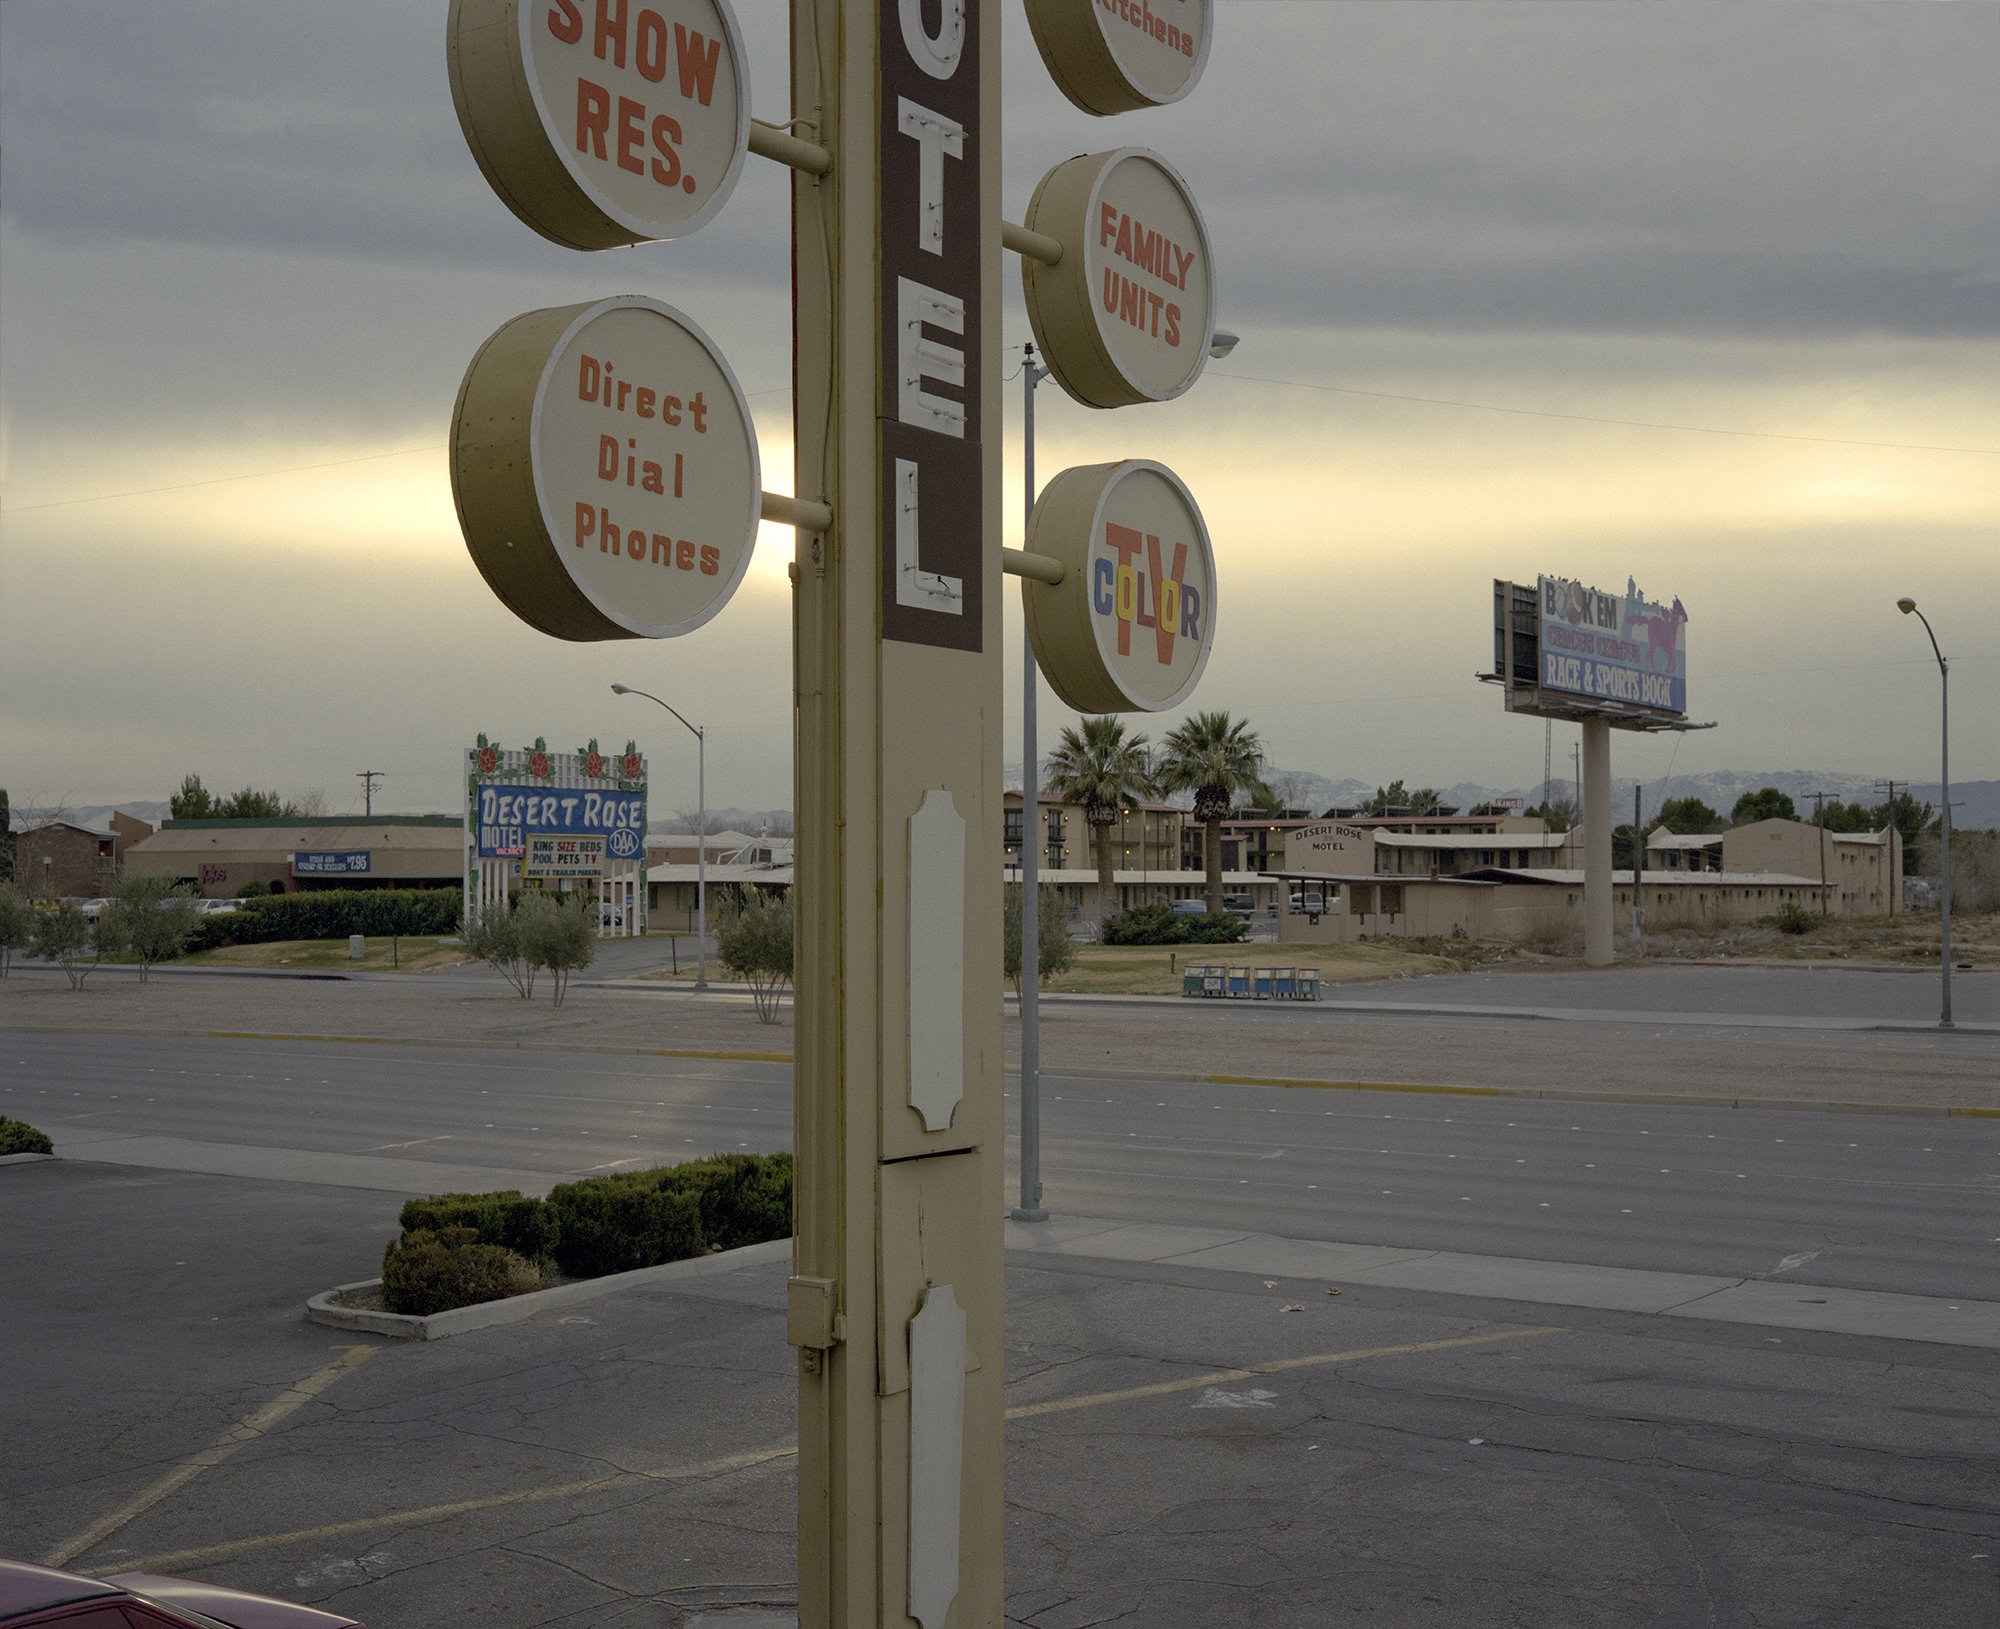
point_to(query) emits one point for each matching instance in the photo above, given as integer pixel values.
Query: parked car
(1188, 907)
(1239, 904)
(1308, 904)
(610, 916)
(217, 907)
(93, 908)
(142, 1600)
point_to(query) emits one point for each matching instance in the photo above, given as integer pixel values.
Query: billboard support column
(1597, 818)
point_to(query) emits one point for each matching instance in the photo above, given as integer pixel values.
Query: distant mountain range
(1975, 804)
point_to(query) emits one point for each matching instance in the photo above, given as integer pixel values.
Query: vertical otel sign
(930, 440)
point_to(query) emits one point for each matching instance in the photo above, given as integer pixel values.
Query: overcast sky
(1709, 295)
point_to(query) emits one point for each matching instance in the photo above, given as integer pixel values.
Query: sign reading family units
(1127, 314)
(1115, 56)
(602, 123)
(1130, 626)
(605, 468)
(1625, 648)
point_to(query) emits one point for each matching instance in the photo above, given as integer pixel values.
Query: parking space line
(460, 1507)
(280, 1408)
(1162, 1388)
(203, 1554)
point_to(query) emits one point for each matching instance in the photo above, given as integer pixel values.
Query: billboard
(1618, 648)
(549, 855)
(340, 862)
(506, 815)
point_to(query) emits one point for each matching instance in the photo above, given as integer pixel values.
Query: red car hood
(230, 1606)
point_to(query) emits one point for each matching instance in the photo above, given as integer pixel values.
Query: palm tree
(1098, 767)
(1215, 757)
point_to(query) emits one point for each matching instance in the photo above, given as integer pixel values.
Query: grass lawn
(1157, 969)
(384, 955)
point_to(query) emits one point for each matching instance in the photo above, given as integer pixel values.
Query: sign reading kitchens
(549, 855)
(506, 816)
(345, 862)
(1130, 626)
(1629, 650)
(1116, 56)
(1127, 314)
(602, 123)
(605, 468)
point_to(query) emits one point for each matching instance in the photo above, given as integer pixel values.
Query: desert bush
(426, 1272)
(506, 1218)
(757, 945)
(613, 1224)
(1157, 925)
(1791, 917)
(148, 920)
(63, 936)
(17, 924)
(18, 1137)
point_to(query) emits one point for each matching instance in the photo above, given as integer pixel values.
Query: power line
(1589, 418)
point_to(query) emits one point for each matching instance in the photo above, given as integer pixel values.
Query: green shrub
(756, 944)
(426, 1272)
(254, 890)
(334, 913)
(612, 1224)
(506, 1219)
(1157, 925)
(1794, 918)
(743, 1198)
(18, 1137)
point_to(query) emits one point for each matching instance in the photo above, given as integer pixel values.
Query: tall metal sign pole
(896, 1297)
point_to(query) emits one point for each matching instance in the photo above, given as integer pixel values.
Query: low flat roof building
(287, 854)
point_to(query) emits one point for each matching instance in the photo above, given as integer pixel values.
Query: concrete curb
(324, 1309)
(22, 1159)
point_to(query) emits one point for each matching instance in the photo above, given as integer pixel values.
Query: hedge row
(333, 913)
(458, 1249)
(18, 1137)
(1157, 925)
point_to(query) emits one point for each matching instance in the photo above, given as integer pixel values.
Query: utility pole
(1638, 871)
(1819, 820)
(1891, 871)
(368, 778)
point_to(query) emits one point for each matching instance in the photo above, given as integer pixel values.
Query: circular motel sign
(1130, 626)
(1127, 314)
(1117, 56)
(604, 465)
(603, 125)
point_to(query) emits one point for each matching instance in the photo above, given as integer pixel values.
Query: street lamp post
(701, 837)
(1908, 606)
(1220, 344)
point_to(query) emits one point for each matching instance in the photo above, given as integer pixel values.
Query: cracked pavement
(629, 1464)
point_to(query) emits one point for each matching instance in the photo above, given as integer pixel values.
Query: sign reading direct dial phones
(603, 123)
(605, 468)
(1130, 626)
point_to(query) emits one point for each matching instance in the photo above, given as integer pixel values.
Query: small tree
(495, 937)
(1767, 803)
(192, 801)
(557, 932)
(148, 919)
(251, 804)
(757, 945)
(63, 937)
(17, 924)
(1688, 817)
(1055, 950)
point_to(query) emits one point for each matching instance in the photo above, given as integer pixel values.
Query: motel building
(295, 854)
(1425, 884)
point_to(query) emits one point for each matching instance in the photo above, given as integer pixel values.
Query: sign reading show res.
(602, 123)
